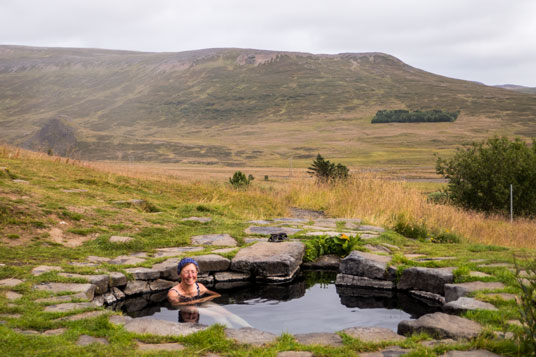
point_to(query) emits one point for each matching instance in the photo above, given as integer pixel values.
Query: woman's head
(187, 270)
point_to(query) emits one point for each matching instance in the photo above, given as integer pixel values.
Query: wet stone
(85, 340)
(271, 230)
(214, 240)
(42, 269)
(429, 298)
(373, 334)
(319, 338)
(10, 282)
(249, 335)
(160, 284)
(136, 287)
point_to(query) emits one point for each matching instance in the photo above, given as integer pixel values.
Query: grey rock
(319, 338)
(371, 228)
(198, 219)
(117, 279)
(260, 221)
(55, 332)
(10, 282)
(291, 220)
(126, 260)
(73, 190)
(267, 230)
(249, 335)
(377, 248)
(141, 273)
(108, 298)
(431, 299)
(119, 319)
(362, 282)
(502, 296)
(373, 334)
(206, 279)
(435, 343)
(472, 353)
(85, 340)
(393, 351)
(228, 276)
(96, 259)
(367, 265)
(42, 269)
(295, 354)
(168, 269)
(367, 236)
(479, 274)
(496, 265)
(159, 346)
(11, 295)
(214, 240)
(426, 279)
(465, 304)
(455, 291)
(224, 250)
(324, 262)
(120, 239)
(87, 289)
(118, 293)
(441, 325)
(63, 298)
(21, 181)
(69, 306)
(162, 327)
(269, 259)
(136, 287)
(101, 282)
(175, 251)
(84, 315)
(212, 263)
(249, 240)
(160, 284)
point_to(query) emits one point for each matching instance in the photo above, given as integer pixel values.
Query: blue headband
(184, 262)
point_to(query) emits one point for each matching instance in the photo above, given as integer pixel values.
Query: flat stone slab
(426, 279)
(479, 274)
(175, 251)
(86, 289)
(324, 262)
(251, 336)
(502, 296)
(472, 353)
(363, 282)
(63, 298)
(212, 263)
(319, 338)
(84, 315)
(55, 332)
(159, 346)
(441, 325)
(162, 327)
(393, 351)
(373, 334)
(367, 236)
(377, 248)
(496, 265)
(136, 287)
(141, 273)
(42, 269)
(198, 219)
(295, 354)
(120, 239)
(85, 340)
(100, 281)
(456, 291)
(371, 228)
(229, 276)
(11, 295)
(266, 259)
(367, 265)
(224, 250)
(119, 319)
(73, 190)
(127, 260)
(214, 240)
(291, 220)
(267, 230)
(464, 304)
(249, 240)
(96, 259)
(69, 306)
(168, 269)
(10, 282)
(260, 221)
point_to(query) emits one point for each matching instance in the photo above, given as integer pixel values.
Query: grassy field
(43, 221)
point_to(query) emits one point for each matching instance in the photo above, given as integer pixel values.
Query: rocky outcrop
(426, 279)
(372, 266)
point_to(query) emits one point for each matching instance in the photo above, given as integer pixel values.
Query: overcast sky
(490, 41)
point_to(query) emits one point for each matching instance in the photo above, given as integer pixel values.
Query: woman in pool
(189, 291)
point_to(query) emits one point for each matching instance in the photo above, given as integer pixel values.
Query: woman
(189, 291)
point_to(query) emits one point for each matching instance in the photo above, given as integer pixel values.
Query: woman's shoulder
(174, 289)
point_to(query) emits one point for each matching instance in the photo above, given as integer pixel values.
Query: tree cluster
(405, 116)
(326, 171)
(480, 175)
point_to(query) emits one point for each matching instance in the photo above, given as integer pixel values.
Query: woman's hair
(184, 262)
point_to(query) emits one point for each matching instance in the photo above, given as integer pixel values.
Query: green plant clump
(341, 246)
(405, 116)
(480, 175)
(239, 179)
(527, 306)
(326, 171)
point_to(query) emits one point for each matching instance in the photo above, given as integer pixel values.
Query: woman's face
(189, 274)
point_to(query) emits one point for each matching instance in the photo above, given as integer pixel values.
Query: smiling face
(189, 274)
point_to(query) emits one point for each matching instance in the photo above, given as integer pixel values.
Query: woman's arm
(173, 296)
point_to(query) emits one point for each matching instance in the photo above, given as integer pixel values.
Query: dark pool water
(312, 303)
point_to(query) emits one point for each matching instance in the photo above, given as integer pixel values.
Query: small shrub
(410, 228)
(13, 236)
(527, 305)
(438, 198)
(446, 237)
(340, 245)
(239, 179)
(326, 171)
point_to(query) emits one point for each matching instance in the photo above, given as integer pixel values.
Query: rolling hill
(240, 107)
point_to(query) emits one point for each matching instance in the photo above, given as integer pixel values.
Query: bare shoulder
(202, 288)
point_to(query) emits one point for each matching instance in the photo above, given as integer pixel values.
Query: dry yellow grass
(366, 195)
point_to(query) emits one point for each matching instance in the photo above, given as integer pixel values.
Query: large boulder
(455, 291)
(362, 282)
(367, 265)
(441, 325)
(266, 259)
(141, 273)
(212, 263)
(168, 269)
(427, 279)
(464, 304)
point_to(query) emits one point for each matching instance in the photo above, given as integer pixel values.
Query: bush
(240, 180)
(527, 306)
(480, 175)
(405, 116)
(326, 171)
(341, 246)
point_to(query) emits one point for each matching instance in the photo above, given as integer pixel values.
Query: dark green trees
(405, 116)
(326, 171)
(480, 175)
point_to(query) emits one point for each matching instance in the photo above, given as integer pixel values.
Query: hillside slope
(238, 106)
